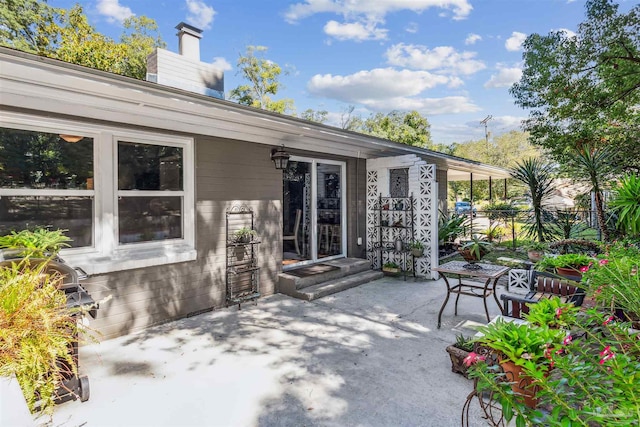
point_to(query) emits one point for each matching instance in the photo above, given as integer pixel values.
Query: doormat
(311, 270)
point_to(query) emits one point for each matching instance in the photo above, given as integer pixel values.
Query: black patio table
(490, 273)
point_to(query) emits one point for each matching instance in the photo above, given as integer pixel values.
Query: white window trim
(107, 255)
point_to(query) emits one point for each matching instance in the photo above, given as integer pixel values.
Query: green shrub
(35, 331)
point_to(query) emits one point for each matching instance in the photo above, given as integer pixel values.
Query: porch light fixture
(280, 158)
(71, 138)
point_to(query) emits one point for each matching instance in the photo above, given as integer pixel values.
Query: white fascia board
(48, 86)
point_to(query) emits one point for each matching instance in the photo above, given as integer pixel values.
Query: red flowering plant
(590, 378)
(614, 280)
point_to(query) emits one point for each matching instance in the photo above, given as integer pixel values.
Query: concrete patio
(368, 356)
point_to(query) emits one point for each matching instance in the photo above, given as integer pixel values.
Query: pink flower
(567, 340)
(608, 320)
(606, 354)
(558, 312)
(604, 261)
(584, 268)
(473, 358)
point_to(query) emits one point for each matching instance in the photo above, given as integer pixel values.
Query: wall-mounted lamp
(280, 158)
(71, 138)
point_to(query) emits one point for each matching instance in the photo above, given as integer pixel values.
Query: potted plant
(569, 265)
(552, 312)
(458, 352)
(521, 348)
(390, 268)
(417, 248)
(474, 249)
(536, 250)
(244, 235)
(37, 243)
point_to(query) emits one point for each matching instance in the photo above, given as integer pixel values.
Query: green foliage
(407, 128)
(477, 246)
(614, 281)
(464, 343)
(626, 203)
(29, 25)
(263, 76)
(537, 176)
(244, 234)
(552, 312)
(567, 224)
(536, 246)
(319, 116)
(36, 329)
(35, 27)
(500, 211)
(391, 265)
(585, 88)
(494, 232)
(39, 243)
(451, 227)
(574, 261)
(520, 343)
(416, 244)
(595, 379)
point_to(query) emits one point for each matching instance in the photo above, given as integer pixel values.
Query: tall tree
(407, 128)
(29, 25)
(36, 27)
(585, 88)
(263, 76)
(319, 116)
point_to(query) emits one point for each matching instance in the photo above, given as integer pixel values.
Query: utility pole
(486, 133)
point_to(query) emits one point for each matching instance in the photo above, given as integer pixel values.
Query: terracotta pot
(457, 356)
(569, 273)
(521, 384)
(469, 256)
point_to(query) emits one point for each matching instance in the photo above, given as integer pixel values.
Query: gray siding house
(142, 175)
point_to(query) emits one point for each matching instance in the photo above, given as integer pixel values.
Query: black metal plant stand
(242, 269)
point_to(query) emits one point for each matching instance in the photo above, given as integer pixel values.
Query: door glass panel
(296, 212)
(329, 209)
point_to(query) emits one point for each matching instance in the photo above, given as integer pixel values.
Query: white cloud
(505, 77)
(200, 14)
(113, 10)
(355, 31)
(373, 10)
(450, 131)
(425, 106)
(514, 43)
(412, 28)
(386, 89)
(442, 59)
(567, 32)
(221, 63)
(472, 39)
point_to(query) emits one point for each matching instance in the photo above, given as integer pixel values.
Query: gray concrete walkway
(369, 356)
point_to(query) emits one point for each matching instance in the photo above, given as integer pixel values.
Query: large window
(46, 181)
(125, 197)
(150, 192)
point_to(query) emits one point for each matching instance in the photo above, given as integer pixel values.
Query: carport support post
(471, 202)
(490, 190)
(505, 189)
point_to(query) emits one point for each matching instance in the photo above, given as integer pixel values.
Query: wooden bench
(542, 285)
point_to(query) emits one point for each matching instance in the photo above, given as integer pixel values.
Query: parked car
(464, 208)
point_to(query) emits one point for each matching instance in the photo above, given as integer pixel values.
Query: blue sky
(451, 60)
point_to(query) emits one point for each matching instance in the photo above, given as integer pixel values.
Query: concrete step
(288, 281)
(323, 289)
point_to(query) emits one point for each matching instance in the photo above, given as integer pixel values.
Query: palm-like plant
(538, 176)
(594, 162)
(626, 203)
